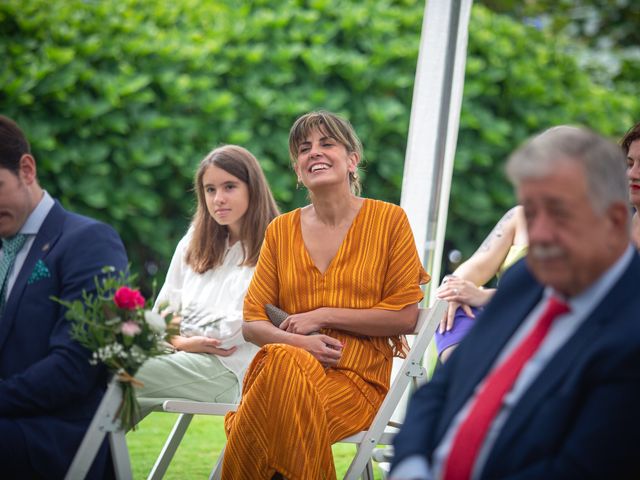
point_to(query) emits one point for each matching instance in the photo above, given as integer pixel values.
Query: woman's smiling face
(323, 161)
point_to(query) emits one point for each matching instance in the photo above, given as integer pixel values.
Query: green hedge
(518, 82)
(121, 100)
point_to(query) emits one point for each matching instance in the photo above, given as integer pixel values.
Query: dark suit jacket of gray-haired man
(572, 411)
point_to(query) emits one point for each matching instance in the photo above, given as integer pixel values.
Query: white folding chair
(104, 423)
(381, 431)
(187, 410)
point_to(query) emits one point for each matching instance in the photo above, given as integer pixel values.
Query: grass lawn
(199, 448)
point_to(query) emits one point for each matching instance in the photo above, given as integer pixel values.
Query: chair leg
(120, 455)
(171, 445)
(216, 473)
(367, 473)
(360, 461)
(104, 423)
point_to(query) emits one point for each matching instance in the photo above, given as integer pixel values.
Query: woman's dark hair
(631, 136)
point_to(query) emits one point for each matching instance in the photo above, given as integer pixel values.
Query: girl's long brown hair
(207, 247)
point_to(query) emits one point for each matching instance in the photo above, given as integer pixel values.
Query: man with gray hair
(547, 384)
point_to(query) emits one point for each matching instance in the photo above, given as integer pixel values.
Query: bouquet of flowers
(117, 324)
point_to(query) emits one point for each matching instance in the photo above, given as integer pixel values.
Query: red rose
(128, 298)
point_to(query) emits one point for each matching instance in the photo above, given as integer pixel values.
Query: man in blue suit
(48, 390)
(547, 384)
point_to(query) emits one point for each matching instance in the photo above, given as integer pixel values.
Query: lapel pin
(45, 247)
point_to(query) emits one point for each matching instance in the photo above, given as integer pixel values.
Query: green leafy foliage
(121, 100)
(604, 35)
(519, 81)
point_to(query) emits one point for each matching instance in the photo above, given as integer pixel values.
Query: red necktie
(473, 429)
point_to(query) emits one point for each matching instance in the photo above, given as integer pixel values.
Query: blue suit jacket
(579, 419)
(47, 385)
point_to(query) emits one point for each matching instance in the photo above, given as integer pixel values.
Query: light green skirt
(185, 376)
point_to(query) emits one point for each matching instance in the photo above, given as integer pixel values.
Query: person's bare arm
(462, 288)
(200, 344)
(296, 328)
(327, 350)
(371, 321)
(485, 262)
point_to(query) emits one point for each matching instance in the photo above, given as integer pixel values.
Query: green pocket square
(40, 271)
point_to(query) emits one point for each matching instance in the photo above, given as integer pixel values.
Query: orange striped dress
(292, 408)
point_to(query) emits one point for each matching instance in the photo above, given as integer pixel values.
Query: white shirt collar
(37, 216)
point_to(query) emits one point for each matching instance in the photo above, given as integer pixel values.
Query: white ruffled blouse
(211, 302)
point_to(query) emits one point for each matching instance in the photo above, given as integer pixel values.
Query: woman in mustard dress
(345, 268)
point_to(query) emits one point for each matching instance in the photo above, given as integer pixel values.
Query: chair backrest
(411, 370)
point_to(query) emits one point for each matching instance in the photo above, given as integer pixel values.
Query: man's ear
(618, 214)
(27, 169)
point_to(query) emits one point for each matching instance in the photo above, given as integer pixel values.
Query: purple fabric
(462, 323)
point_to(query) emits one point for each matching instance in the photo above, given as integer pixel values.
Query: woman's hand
(463, 291)
(447, 321)
(304, 323)
(460, 293)
(199, 344)
(327, 350)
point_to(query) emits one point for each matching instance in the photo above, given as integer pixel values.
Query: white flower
(155, 321)
(109, 352)
(137, 355)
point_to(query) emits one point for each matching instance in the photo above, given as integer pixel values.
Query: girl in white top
(208, 277)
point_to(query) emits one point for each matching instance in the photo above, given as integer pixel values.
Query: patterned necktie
(470, 436)
(10, 248)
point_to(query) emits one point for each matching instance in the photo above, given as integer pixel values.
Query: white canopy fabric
(433, 128)
(433, 134)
